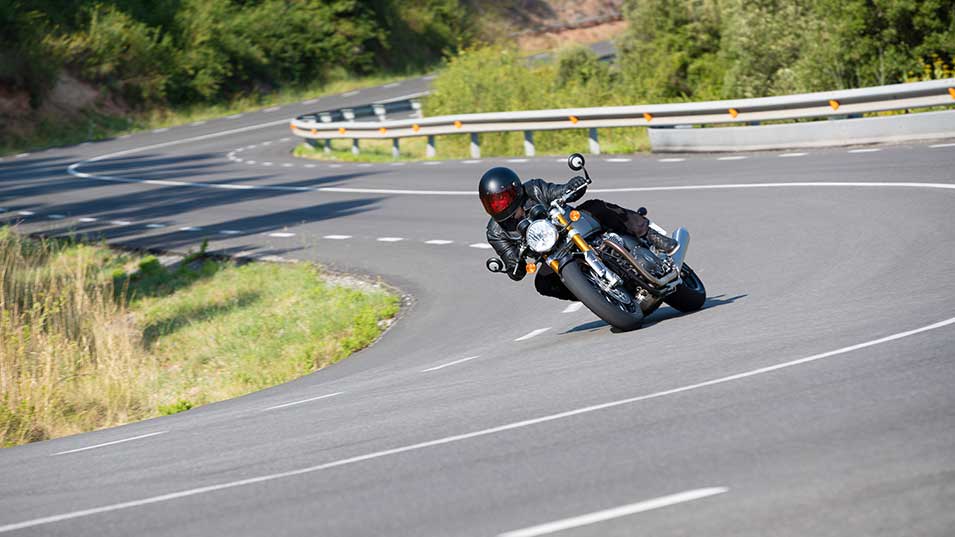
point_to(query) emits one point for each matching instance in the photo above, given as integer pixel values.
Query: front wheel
(689, 295)
(617, 307)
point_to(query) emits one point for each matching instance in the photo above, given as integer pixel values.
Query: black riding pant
(613, 218)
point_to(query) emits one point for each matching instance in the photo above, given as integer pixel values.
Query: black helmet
(501, 192)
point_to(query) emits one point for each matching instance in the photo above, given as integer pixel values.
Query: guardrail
(831, 104)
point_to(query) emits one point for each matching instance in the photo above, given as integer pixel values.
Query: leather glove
(575, 184)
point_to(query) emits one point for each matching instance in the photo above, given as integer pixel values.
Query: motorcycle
(620, 278)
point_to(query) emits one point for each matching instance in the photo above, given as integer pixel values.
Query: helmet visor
(497, 203)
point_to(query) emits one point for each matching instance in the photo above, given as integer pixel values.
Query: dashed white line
(517, 160)
(190, 228)
(26, 213)
(266, 163)
(281, 234)
(389, 239)
(234, 116)
(155, 226)
(309, 165)
(397, 164)
(250, 162)
(392, 85)
(229, 232)
(272, 109)
(286, 139)
(866, 150)
(114, 442)
(472, 161)
(69, 515)
(337, 237)
(22, 155)
(438, 241)
(431, 162)
(197, 123)
(572, 307)
(790, 155)
(616, 512)
(533, 333)
(936, 146)
(157, 131)
(88, 219)
(253, 146)
(334, 165)
(449, 364)
(733, 157)
(481, 245)
(365, 165)
(350, 93)
(56, 216)
(429, 77)
(310, 101)
(608, 160)
(269, 142)
(310, 399)
(671, 160)
(287, 165)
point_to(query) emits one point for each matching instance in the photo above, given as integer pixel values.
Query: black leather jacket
(505, 238)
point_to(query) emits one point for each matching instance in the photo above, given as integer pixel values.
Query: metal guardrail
(830, 104)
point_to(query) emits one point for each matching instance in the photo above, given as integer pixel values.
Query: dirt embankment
(546, 24)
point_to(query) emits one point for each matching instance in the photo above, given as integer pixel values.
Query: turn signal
(574, 215)
(531, 268)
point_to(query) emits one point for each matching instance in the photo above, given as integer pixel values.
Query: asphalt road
(813, 395)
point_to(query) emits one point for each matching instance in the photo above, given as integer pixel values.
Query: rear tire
(689, 295)
(573, 276)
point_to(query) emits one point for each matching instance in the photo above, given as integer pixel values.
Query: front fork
(610, 279)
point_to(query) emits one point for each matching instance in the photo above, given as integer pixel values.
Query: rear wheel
(616, 307)
(689, 295)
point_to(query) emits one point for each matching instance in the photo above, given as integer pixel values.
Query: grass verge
(92, 337)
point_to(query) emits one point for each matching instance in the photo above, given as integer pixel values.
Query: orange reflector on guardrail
(382, 130)
(834, 104)
(341, 130)
(647, 117)
(951, 91)
(574, 119)
(416, 127)
(314, 132)
(457, 124)
(733, 112)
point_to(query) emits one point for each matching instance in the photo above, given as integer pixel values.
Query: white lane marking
(472, 161)
(120, 222)
(190, 228)
(250, 162)
(337, 237)
(266, 163)
(936, 146)
(253, 146)
(350, 93)
(309, 165)
(671, 160)
(87, 219)
(157, 131)
(334, 165)
(390, 239)
(733, 157)
(229, 232)
(272, 109)
(438, 241)
(310, 399)
(22, 155)
(608, 160)
(114, 442)
(56, 216)
(392, 85)
(155, 226)
(449, 364)
(516, 160)
(366, 165)
(616, 512)
(287, 165)
(572, 307)
(788, 155)
(123, 137)
(867, 150)
(197, 123)
(533, 333)
(429, 77)
(431, 162)
(397, 164)
(237, 116)
(310, 101)
(465, 436)
(281, 234)
(481, 245)
(26, 213)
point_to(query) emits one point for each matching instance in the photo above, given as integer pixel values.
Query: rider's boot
(661, 242)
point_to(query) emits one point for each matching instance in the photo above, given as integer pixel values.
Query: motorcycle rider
(506, 199)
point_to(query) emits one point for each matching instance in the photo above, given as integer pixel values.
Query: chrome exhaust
(681, 236)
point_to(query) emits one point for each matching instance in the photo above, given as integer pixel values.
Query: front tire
(574, 277)
(689, 295)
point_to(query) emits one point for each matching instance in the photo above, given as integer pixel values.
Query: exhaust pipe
(681, 236)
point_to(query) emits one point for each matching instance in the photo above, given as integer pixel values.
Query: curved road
(812, 396)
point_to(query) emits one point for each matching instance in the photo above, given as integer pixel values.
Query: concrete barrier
(833, 132)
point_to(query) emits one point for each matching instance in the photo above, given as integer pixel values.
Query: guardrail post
(379, 111)
(429, 151)
(328, 145)
(313, 143)
(529, 143)
(592, 141)
(395, 149)
(475, 146)
(354, 147)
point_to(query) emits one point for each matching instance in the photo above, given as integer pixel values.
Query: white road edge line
(616, 512)
(533, 333)
(572, 307)
(936, 146)
(787, 155)
(337, 237)
(310, 399)
(734, 157)
(104, 444)
(868, 150)
(449, 364)
(465, 436)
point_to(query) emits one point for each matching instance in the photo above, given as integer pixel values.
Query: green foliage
(26, 62)
(179, 406)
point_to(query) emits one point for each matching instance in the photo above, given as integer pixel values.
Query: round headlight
(541, 236)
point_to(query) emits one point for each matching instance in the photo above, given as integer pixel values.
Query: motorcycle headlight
(541, 236)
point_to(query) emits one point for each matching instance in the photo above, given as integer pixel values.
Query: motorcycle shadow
(664, 313)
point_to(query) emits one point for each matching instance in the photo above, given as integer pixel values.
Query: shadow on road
(665, 312)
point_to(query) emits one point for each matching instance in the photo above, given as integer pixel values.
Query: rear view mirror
(576, 162)
(494, 264)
